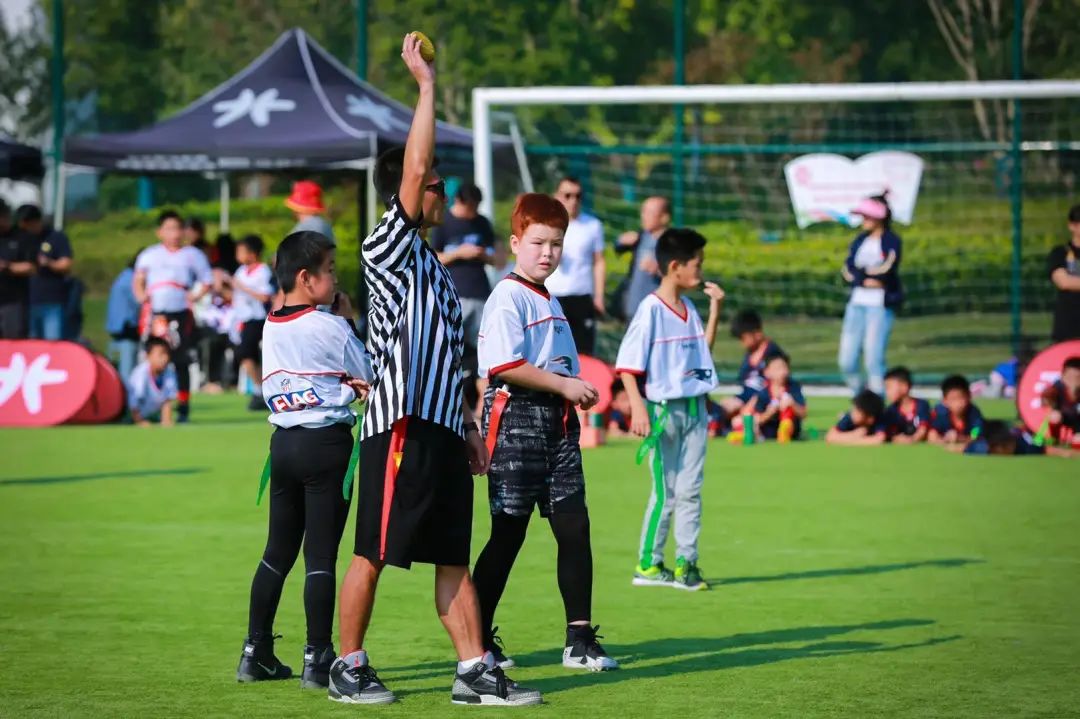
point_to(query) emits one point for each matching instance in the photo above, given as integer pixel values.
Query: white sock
(356, 659)
(467, 664)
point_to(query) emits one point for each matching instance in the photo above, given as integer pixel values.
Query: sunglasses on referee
(437, 188)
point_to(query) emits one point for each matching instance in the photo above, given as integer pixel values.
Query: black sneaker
(183, 413)
(583, 651)
(317, 661)
(486, 685)
(357, 685)
(493, 643)
(258, 663)
(256, 403)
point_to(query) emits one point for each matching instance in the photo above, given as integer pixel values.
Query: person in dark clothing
(1063, 267)
(48, 286)
(16, 267)
(465, 244)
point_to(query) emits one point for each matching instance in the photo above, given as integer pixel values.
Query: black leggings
(181, 355)
(307, 468)
(575, 570)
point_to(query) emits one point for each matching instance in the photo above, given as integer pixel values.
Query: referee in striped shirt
(420, 445)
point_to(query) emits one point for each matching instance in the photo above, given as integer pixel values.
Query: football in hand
(427, 48)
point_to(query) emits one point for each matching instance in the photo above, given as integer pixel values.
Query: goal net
(769, 174)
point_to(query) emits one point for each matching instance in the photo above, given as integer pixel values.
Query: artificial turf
(857, 582)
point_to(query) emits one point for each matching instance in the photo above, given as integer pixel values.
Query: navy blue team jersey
(847, 424)
(1024, 445)
(941, 420)
(765, 397)
(752, 369)
(898, 422)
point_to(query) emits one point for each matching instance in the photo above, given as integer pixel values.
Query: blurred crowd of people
(40, 298)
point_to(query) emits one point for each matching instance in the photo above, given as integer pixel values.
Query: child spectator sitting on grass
(999, 439)
(152, 386)
(781, 399)
(863, 424)
(907, 418)
(1063, 400)
(748, 329)
(956, 420)
(618, 414)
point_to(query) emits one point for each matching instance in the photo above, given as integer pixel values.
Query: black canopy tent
(295, 106)
(20, 162)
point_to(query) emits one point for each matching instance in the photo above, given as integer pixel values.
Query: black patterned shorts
(537, 458)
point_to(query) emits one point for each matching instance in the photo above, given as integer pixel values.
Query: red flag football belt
(498, 405)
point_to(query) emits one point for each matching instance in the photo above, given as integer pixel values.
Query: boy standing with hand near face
(527, 352)
(668, 346)
(316, 367)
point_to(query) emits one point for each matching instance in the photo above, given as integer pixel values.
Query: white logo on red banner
(825, 187)
(30, 378)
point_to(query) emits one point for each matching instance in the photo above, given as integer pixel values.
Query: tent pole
(223, 220)
(371, 211)
(60, 183)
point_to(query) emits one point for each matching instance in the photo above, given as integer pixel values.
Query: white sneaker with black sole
(583, 651)
(355, 682)
(485, 684)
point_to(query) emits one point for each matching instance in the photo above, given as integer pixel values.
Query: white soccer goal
(995, 184)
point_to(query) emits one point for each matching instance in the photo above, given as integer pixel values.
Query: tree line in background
(141, 60)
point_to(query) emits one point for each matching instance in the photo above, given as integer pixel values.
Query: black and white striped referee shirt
(415, 335)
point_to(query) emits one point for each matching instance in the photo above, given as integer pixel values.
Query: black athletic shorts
(414, 497)
(250, 336)
(537, 456)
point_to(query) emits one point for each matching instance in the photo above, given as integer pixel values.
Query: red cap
(306, 197)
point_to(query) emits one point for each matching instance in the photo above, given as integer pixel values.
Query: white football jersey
(522, 323)
(257, 277)
(170, 275)
(668, 347)
(148, 394)
(306, 355)
(584, 237)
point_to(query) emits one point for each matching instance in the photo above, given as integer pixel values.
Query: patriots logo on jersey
(295, 401)
(701, 374)
(563, 362)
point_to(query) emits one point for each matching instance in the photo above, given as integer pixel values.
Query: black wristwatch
(472, 427)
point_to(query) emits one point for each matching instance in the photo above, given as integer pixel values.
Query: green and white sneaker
(688, 576)
(655, 576)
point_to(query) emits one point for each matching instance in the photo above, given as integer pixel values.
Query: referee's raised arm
(420, 146)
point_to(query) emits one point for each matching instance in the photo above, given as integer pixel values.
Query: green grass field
(889, 581)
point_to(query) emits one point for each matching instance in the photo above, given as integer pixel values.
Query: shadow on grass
(131, 474)
(846, 571)
(659, 658)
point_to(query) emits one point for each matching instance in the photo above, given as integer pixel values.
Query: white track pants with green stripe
(677, 470)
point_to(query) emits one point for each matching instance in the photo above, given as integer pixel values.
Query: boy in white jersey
(668, 347)
(315, 368)
(151, 387)
(527, 352)
(252, 288)
(169, 279)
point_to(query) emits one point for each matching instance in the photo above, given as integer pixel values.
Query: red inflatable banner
(48, 383)
(600, 375)
(1043, 371)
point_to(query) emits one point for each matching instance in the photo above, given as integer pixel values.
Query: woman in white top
(872, 271)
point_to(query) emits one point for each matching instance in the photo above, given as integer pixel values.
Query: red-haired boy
(526, 350)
